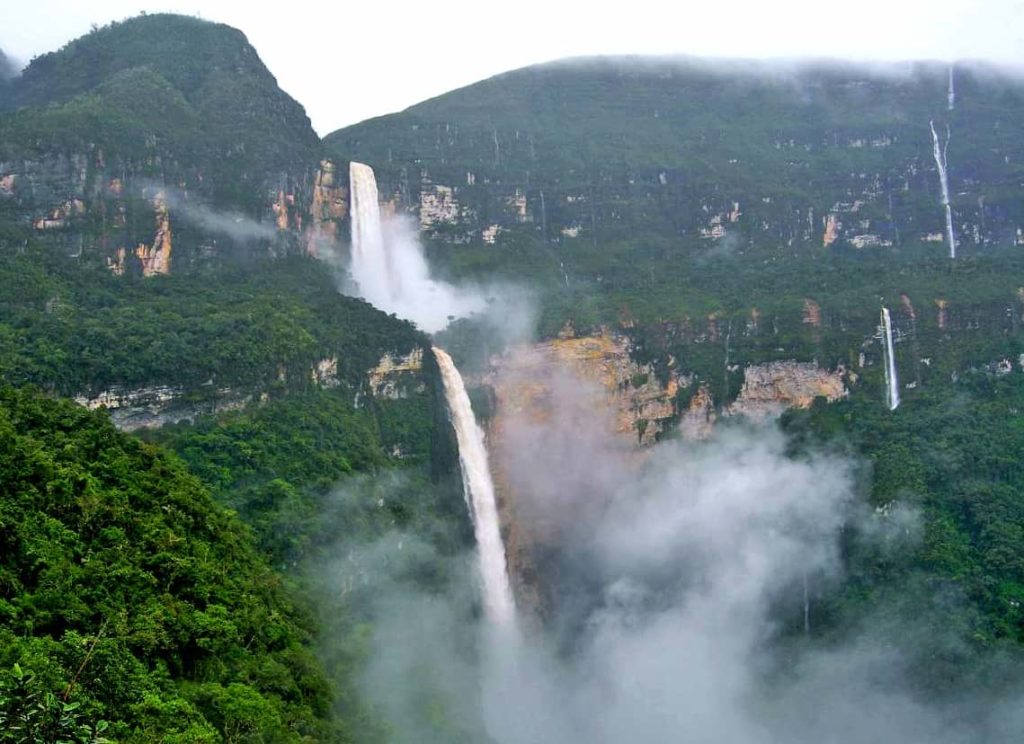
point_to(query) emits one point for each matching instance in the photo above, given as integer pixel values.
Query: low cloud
(677, 587)
(236, 226)
(9, 68)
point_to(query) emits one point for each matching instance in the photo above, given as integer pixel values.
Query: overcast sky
(347, 61)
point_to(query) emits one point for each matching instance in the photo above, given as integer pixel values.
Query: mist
(9, 68)
(399, 280)
(236, 226)
(408, 290)
(677, 581)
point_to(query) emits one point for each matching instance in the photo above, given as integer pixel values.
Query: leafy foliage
(951, 455)
(163, 97)
(74, 328)
(275, 464)
(128, 594)
(28, 715)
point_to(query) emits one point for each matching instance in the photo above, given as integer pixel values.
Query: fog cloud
(678, 581)
(9, 68)
(234, 225)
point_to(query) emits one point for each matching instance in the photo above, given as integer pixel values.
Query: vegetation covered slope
(150, 121)
(76, 329)
(180, 85)
(944, 471)
(610, 148)
(125, 589)
(728, 213)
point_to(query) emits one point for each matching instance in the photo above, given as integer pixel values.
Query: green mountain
(158, 193)
(162, 204)
(690, 202)
(154, 115)
(598, 150)
(727, 217)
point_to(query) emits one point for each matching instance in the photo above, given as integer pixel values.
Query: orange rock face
(812, 313)
(831, 231)
(329, 208)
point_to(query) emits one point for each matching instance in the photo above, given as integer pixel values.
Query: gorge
(609, 399)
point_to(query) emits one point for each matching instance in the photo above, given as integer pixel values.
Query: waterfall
(951, 96)
(370, 265)
(478, 489)
(892, 384)
(940, 162)
(389, 267)
(807, 607)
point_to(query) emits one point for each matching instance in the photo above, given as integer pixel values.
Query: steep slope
(123, 137)
(124, 590)
(727, 215)
(787, 154)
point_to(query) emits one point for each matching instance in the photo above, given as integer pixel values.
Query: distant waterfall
(479, 492)
(892, 383)
(939, 151)
(951, 95)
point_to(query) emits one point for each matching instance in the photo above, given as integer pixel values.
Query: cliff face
(642, 407)
(849, 151)
(94, 204)
(770, 388)
(592, 389)
(397, 376)
(151, 407)
(160, 119)
(131, 408)
(328, 209)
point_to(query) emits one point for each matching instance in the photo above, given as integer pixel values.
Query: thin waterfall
(892, 384)
(951, 95)
(478, 488)
(807, 607)
(940, 162)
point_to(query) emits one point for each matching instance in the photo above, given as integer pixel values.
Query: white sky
(348, 61)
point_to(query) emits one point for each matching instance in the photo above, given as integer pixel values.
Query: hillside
(127, 593)
(124, 139)
(726, 213)
(154, 183)
(769, 153)
(741, 225)
(700, 242)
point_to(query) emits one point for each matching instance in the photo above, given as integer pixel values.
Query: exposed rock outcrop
(325, 373)
(641, 406)
(438, 206)
(156, 258)
(328, 210)
(698, 421)
(812, 313)
(396, 376)
(132, 409)
(770, 388)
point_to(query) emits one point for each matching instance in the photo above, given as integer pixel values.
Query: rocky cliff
(591, 389)
(119, 130)
(597, 150)
(394, 377)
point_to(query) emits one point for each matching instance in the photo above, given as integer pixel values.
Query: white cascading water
(951, 95)
(939, 151)
(892, 384)
(369, 261)
(389, 267)
(478, 488)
